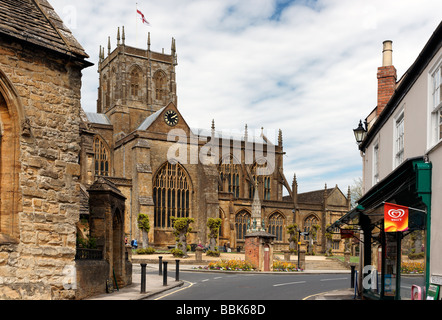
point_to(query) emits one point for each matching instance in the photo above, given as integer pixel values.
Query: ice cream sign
(395, 218)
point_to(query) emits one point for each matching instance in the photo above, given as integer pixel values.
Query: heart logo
(396, 213)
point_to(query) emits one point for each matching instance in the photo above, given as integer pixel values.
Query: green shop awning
(408, 185)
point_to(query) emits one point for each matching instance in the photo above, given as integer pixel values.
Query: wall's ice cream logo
(395, 218)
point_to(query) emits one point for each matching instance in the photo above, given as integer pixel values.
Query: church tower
(134, 83)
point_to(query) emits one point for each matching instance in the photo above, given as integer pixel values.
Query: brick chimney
(386, 77)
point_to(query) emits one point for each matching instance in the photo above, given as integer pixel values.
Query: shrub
(285, 266)
(414, 256)
(177, 252)
(233, 265)
(213, 253)
(412, 267)
(149, 250)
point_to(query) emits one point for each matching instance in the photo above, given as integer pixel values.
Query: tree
(144, 226)
(356, 191)
(214, 225)
(328, 242)
(181, 229)
(293, 238)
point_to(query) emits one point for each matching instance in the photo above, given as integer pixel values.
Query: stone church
(139, 140)
(62, 169)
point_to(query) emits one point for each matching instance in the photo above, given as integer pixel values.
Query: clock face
(171, 118)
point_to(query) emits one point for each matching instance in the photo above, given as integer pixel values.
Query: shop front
(392, 223)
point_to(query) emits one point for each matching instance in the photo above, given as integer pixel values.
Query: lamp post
(360, 132)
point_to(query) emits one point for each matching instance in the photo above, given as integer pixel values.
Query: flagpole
(136, 23)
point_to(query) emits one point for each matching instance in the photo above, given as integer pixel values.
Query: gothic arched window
(276, 225)
(160, 85)
(309, 222)
(101, 158)
(171, 194)
(135, 83)
(105, 93)
(260, 173)
(230, 174)
(242, 219)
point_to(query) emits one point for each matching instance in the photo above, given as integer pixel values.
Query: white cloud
(306, 67)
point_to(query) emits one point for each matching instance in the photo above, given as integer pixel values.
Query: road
(248, 286)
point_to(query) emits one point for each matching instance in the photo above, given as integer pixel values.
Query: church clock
(171, 118)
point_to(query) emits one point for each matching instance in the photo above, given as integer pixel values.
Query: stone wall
(91, 277)
(42, 93)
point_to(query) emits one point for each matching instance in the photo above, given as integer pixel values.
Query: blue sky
(305, 67)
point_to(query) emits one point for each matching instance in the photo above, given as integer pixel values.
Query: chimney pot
(387, 53)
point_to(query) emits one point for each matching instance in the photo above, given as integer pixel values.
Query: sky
(307, 67)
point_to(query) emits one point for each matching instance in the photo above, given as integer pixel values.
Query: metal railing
(88, 254)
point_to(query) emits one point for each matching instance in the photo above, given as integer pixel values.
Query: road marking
(333, 279)
(288, 283)
(316, 294)
(175, 291)
(205, 280)
(218, 278)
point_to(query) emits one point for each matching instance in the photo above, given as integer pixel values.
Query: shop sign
(433, 292)
(346, 234)
(395, 218)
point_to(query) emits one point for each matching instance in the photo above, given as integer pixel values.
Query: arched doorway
(11, 116)
(117, 245)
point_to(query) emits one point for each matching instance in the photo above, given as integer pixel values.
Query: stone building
(40, 81)
(62, 169)
(139, 140)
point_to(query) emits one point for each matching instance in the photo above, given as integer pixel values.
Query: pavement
(155, 283)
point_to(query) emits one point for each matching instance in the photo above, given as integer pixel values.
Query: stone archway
(117, 245)
(106, 219)
(11, 127)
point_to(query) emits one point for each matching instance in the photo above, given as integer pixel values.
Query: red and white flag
(143, 19)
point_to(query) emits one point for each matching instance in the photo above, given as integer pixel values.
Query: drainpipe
(423, 188)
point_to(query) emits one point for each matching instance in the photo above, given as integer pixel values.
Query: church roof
(150, 119)
(228, 135)
(99, 118)
(316, 196)
(35, 21)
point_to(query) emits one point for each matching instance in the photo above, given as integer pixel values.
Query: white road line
(288, 283)
(333, 279)
(175, 291)
(218, 278)
(205, 280)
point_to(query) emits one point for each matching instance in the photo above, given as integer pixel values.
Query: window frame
(172, 195)
(435, 103)
(376, 163)
(102, 161)
(399, 139)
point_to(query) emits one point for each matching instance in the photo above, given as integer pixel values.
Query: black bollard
(160, 266)
(352, 281)
(165, 274)
(177, 270)
(143, 277)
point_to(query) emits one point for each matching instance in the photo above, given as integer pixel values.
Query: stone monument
(259, 243)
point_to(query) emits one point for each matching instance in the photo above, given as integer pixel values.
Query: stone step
(327, 264)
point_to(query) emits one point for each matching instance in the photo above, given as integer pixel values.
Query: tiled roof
(36, 21)
(316, 196)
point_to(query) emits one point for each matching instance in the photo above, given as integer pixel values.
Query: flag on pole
(143, 19)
